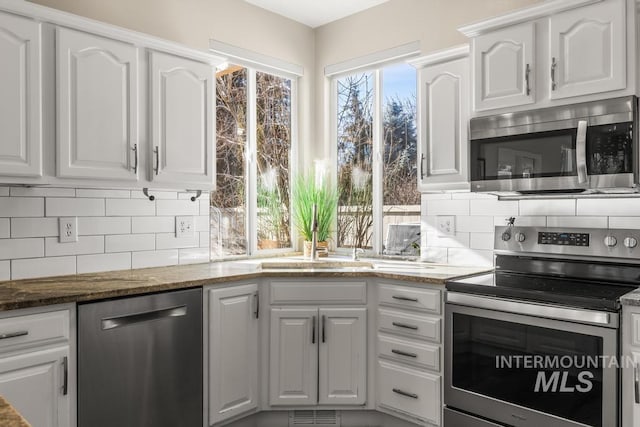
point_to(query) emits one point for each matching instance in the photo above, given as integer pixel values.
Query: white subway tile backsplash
(609, 207)
(205, 206)
(469, 196)
(577, 221)
(203, 223)
(159, 195)
(5, 270)
(193, 255)
(631, 222)
(170, 241)
(493, 207)
(4, 191)
(124, 207)
(459, 240)
(205, 239)
(475, 224)
(104, 262)
(472, 257)
(96, 225)
(177, 207)
(42, 192)
(430, 254)
(34, 227)
(21, 248)
(483, 241)
(447, 207)
(42, 267)
(5, 228)
(154, 258)
(153, 224)
(74, 207)
(548, 207)
(84, 245)
(21, 206)
(522, 221)
(129, 242)
(112, 194)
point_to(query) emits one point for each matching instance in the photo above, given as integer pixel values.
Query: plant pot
(322, 249)
(268, 244)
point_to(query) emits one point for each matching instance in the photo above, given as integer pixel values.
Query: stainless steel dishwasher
(140, 361)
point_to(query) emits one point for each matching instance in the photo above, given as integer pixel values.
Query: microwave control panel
(563, 239)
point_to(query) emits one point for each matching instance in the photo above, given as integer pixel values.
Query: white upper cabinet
(182, 120)
(97, 107)
(588, 50)
(503, 67)
(21, 151)
(443, 113)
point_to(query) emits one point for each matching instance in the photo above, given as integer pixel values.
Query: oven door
(529, 371)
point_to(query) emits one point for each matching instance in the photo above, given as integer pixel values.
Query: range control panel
(563, 238)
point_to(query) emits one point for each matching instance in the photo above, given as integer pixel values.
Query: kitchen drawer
(318, 292)
(406, 351)
(429, 300)
(35, 329)
(409, 391)
(417, 326)
(635, 328)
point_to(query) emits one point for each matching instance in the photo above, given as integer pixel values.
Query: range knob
(610, 241)
(506, 236)
(630, 242)
(520, 237)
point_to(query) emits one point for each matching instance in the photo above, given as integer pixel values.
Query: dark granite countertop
(87, 287)
(9, 417)
(632, 298)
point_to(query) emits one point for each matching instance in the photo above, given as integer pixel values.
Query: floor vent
(314, 418)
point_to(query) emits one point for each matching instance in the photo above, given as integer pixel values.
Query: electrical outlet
(446, 225)
(185, 226)
(68, 229)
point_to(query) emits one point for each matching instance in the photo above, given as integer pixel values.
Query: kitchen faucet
(356, 253)
(314, 233)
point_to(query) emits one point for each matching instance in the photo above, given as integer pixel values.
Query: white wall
(117, 229)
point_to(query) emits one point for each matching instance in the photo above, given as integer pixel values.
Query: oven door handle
(581, 152)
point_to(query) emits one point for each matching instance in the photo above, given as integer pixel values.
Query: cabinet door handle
(554, 65)
(147, 316)
(581, 151)
(636, 382)
(313, 330)
(65, 375)
(403, 298)
(404, 393)
(404, 353)
(135, 158)
(256, 299)
(422, 165)
(527, 73)
(13, 334)
(157, 156)
(405, 325)
(324, 323)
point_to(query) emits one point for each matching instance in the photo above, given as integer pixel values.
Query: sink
(306, 264)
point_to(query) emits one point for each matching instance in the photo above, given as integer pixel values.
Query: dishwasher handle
(148, 316)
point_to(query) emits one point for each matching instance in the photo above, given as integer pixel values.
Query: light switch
(185, 226)
(446, 225)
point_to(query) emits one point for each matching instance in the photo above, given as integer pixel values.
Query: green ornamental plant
(305, 193)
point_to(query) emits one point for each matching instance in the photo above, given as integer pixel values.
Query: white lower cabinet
(233, 351)
(37, 365)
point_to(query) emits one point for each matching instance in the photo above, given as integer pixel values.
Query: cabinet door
(33, 384)
(588, 50)
(97, 107)
(182, 117)
(233, 351)
(444, 135)
(503, 67)
(631, 381)
(342, 364)
(293, 359)
(20, 97)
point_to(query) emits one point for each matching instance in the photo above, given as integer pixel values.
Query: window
(376, 136)
(250, 208)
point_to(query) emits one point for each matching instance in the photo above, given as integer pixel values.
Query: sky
(399, 80)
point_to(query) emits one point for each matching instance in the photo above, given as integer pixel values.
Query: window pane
(355, 149)
(401, 221)
(274, 148)
(228, 206)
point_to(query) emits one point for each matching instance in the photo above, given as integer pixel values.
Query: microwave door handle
(581, 151)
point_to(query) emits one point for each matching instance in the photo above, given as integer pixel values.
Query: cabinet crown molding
(536, 11)
(444, 55)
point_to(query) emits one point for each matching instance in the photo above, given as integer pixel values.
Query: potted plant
(306, 193)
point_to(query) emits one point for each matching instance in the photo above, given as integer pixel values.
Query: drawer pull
(65, 379)
(636, 383)
(403, 353)
(405, 325)
(401, 298)
(313, 330)
(13, 334)
(404, 393)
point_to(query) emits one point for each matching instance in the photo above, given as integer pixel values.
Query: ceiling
(315, 13)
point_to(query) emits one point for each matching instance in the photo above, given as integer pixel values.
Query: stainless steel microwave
(584, 147)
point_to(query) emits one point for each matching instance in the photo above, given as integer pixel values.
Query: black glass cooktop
(589, 285)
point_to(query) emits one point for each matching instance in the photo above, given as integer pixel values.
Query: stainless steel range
(537, 342)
